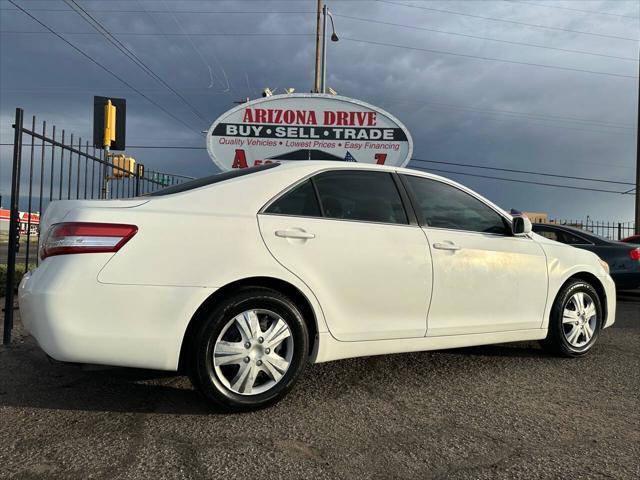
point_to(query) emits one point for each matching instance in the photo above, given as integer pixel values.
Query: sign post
(108, 137)
(294, 127)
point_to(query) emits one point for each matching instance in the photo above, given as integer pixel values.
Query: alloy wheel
(253, 352)
(579, 319)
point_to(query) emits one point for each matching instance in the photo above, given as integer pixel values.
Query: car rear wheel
(249, 350)
(576, 320)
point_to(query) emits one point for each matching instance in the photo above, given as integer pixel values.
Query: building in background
(537, 217)
(5, 217)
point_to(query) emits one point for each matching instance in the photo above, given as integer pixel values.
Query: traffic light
(109, 124)
(101, 123)
(123, 166)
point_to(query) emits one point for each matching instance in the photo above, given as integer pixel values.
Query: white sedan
(241, 279)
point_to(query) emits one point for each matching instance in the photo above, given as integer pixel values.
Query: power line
(514, 22)
(131, 55)
(491, 59)
(514, 113)
(171, 147)
(558, 7)
(226, 87)
(455, 107)
(368, 20)
(94, 61)
(530, 182)
(510, 42)
(511, 170)
(540, 122)
(297, 12)
(168, 147)
(148, 34)
(215, 12)
(544, 174)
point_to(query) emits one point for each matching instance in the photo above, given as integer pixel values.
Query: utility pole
(326, 14)
(638, 159)
(316, 88)
(323, 75)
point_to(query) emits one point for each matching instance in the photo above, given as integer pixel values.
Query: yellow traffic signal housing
(115, 138)
(123, 166)
(109, 124)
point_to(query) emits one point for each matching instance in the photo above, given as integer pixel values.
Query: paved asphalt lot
(507, 411)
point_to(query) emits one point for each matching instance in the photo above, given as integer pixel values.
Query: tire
(247, 336)
(568, 334)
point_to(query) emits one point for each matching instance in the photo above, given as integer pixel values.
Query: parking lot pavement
(507, 411)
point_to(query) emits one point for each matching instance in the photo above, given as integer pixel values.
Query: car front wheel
(576, 320)
(249, 350)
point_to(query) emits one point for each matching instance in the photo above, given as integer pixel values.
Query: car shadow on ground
(520, 350)
(30, 379)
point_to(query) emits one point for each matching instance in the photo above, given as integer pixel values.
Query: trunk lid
(59, 209)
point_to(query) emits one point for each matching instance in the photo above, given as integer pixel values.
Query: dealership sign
(285, 128)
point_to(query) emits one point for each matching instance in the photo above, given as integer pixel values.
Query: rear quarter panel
(205, 238)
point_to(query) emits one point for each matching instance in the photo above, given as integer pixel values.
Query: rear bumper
(74, 318)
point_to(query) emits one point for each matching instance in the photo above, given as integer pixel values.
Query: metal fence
(610, 230)
(60, 166)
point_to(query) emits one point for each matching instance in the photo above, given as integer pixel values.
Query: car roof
(329, 164)
(310, 167)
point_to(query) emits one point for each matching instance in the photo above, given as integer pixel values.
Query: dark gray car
(623, 258)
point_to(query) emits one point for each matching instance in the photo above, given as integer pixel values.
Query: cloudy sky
(540, 85)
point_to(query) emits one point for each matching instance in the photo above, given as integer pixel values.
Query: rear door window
(300, 201)
(360, 195)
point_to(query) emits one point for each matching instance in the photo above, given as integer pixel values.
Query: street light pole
(316, 88)
(334, 38)
(323, 78)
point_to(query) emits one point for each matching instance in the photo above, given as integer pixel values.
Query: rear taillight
(84, 237)
(635, 254)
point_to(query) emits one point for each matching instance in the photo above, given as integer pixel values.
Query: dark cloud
(457, 108)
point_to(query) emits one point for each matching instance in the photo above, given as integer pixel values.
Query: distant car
(623, 258)
(635, 239)
(242, 278)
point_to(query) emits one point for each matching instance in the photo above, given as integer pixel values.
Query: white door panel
(485, 283)
(373, 281)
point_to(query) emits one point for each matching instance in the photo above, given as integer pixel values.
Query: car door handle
(294, 233)
(446, 246)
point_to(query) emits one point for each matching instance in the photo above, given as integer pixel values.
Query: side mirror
(521, 226)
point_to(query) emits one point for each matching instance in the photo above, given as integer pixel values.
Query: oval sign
(295, 127)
